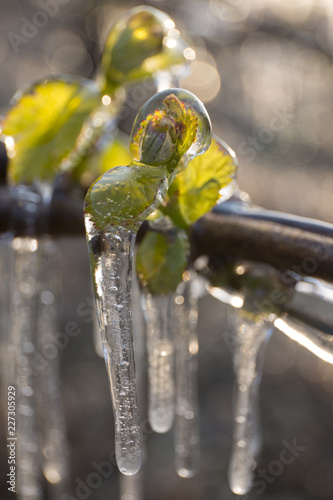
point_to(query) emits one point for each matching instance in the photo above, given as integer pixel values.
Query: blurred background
(264, 72)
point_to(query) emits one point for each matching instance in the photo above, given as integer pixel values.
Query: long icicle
(249, 339)
(30, 208)
(187, 437)
(24, 305)
(5, 266)
(160, 347)
(132, 487)
(51, 416)
(112, 256)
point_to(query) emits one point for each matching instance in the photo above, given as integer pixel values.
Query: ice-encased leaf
(171, 124)
(110, 155)
(161, 260)
(200, 186)
(45, 124)
(125, 196)
(142, 42)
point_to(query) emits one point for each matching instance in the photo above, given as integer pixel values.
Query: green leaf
(45, 126)
(137, 46)
(111, 155)
(125, 196)
(198, 187)
(161, 260)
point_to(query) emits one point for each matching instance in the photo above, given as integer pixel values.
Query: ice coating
(125, 195)
(183, 126)
(6, 363)
(115, 206)
(67, 116)
(248, 344)
(160, 347)
(111, 253)
(131, 487)
(24, 305)
(316, 341)
(142, 42)
(55, 464)
(29, 203)
(187, 437)
(229, 154)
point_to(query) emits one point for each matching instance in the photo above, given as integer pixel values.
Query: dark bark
(233, 229)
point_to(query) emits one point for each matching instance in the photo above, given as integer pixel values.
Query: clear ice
(51, 416)
(187, 451)
(319, 343)
(34, 289)
(24, 310)
(131, 487)
(160, 347)
(5, 265)
(29, 204)
(249, 340)
(111, 253)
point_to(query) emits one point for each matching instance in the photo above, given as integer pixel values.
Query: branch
(233, 229)
(284, 241)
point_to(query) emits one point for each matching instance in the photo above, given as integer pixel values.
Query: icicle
(131, 487)
(112, 254)
(249, 338)
(97, 341)
(51, 416)
(187, 451)
(160, 347)
(5, 265)
(22, 338)
(30, 208)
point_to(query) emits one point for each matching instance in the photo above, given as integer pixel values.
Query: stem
(249, 343)
(187, 437)
(112, 262)
(160, 346)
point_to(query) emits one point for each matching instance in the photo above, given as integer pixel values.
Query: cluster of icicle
(247, 338)
(33, 274)
(172, 345)
(112, 255)
(34, 293)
